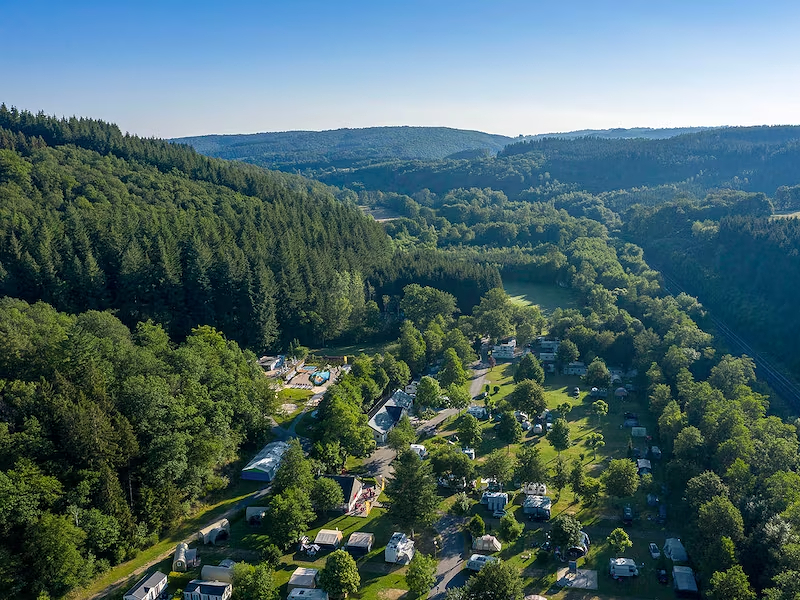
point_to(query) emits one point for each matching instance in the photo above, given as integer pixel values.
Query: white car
(655, 553)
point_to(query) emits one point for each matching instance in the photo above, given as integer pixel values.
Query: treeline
(92, 219)
(748, 158)
(107, 435)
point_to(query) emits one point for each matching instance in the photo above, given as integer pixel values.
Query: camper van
(622, 567)
(476, 561)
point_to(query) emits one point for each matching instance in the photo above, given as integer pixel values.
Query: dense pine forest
(93, 219)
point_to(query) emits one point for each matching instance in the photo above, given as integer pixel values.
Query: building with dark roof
(351, 491)
(385, 415)
(198, 589)
(148, 587)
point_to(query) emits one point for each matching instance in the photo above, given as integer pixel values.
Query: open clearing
(549, 297)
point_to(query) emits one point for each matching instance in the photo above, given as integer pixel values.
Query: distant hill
(758, 159)
(308, 150)
(619, 134)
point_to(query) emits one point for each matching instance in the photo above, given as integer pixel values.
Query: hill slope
(749, 158)
(92, 219)
(342, 147)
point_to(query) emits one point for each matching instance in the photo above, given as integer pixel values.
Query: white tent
(487, 543)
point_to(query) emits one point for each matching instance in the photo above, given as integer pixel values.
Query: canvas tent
(683, 580)
(328, 538)
(487, 543)
(620, 392)
(360, 543)
(216, 532)
(351, 491)
(674, 549)
(185, 558)
(303, 577)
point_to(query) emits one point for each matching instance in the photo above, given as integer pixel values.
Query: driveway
(478, 379)
(450, 571)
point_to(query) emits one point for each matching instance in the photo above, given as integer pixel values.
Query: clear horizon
(183, 69)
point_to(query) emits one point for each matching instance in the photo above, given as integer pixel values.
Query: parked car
(549, 426)
(526, 425)
(537, 428)
(654, 551)
(576, 391)
(663, 578)
(499, 514)
(627, 514)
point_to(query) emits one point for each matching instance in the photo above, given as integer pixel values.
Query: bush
(462, 504)
(510, 529)
(476, 526)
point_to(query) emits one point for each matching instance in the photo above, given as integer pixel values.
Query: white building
(148, 587)
(198, 589)
(575, 368)
(384, 416)
(549, 345)
(505, 349)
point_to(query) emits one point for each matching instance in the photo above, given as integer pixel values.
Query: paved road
(450, 570)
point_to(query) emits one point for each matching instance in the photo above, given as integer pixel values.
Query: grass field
(356, 349)
(548, 297)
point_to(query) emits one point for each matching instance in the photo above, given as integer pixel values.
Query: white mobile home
(148, 587)
(622, 567)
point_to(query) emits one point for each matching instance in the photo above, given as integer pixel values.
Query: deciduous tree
(339, 577)
(619, 541)
(621, 478)
(421, 574)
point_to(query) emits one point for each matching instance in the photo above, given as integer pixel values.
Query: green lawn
(356, 349)
(549, 297)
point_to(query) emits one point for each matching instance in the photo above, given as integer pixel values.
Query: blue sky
(188, 68)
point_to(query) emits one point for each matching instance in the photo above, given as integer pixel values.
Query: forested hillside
(305, 150)
(107, 435)
(748, 158)
(746, 265)
(92, 219)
